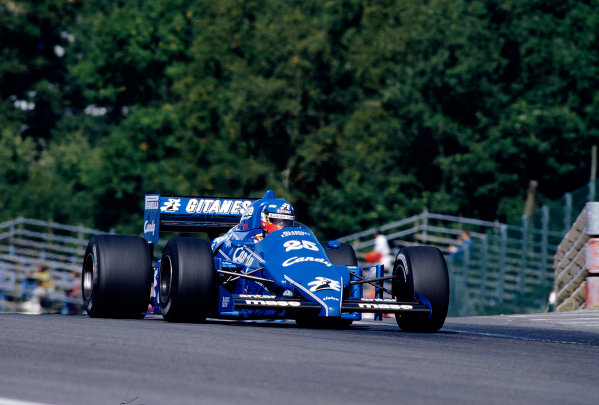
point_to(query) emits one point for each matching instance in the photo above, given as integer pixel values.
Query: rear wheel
(186, 283)
(422, 270)
(116, 276)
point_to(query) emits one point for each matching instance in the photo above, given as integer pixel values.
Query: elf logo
(323, 283)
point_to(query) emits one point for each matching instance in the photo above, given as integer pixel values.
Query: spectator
(27, 286)
(73, 297)
(461, 252)
(381, 254)
(381, 245)
(40, 298)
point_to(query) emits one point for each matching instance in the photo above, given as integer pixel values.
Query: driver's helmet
(276, 214)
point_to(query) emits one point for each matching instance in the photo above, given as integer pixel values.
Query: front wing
(233, 302)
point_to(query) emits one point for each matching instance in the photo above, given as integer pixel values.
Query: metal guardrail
(26, 245)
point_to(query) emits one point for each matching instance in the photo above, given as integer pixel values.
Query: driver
(275, 215)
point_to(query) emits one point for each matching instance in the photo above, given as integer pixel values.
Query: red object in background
(373, 257)
(592, 292)
(592, 281)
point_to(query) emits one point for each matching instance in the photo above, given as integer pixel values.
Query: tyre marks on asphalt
(577, 327)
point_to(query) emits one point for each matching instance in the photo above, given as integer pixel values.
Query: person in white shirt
(381, 245)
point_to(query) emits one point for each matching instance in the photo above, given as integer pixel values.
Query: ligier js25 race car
(266, 265)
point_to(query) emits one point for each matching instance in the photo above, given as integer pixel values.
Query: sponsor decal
(273, 303)
(287, 293)
(297, 245)
(171, 205)
(294, 233)
(282, 216)
(374, 305)
(152, 202)
(217, 206)
(293, 260)
(226, 301)
(256, 296)
(330, 299)
(243, 257)
(285, 209)
(379, 300)
(149, 226)
(323, 283)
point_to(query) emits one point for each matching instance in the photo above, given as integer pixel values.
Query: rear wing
(191, 214)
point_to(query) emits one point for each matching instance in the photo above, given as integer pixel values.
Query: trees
(359, 112)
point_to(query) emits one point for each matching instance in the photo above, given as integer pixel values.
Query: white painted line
(9, 401)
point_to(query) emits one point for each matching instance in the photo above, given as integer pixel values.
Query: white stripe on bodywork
(225, 256)
(304, 289)
(255, 255)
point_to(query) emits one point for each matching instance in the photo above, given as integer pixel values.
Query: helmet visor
(282, 220)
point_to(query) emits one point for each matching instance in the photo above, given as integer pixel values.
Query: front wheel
(422, 273)
(116, 276)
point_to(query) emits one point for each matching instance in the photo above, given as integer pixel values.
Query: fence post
(502, 270)
(592, 254)
(483, 299)
(568, 213)
(425, 222)
(11, 250)
(543, 274)
(523, 262)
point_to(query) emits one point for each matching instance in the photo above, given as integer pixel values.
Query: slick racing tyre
(344, 255)
(422, 270)
(186, 282)
(116, 276)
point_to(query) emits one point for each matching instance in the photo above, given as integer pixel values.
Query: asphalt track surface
(526, 359)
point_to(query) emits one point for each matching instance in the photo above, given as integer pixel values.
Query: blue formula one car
(258, 264)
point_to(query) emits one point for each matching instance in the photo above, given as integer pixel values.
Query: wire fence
(508, 268)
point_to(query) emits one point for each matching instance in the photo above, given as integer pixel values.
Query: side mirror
(334, 244)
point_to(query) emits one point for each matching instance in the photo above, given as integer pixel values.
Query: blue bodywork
(277, 276)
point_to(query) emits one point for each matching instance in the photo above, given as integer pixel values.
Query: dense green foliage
(359, 112)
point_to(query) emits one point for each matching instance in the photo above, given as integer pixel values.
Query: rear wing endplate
(191, 214)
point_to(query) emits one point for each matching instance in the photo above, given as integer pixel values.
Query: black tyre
(344, 255)
(186, 283)
(116, 276)
(422, 269)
